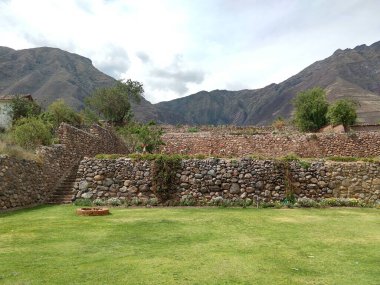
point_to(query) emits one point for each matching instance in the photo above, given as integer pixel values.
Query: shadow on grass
(15, 212)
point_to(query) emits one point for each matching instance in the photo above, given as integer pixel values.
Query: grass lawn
(51, 245)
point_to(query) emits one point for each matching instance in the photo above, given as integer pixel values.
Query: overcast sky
(176, 48)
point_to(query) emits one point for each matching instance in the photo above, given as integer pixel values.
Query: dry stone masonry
(24, 183)
(361, 144)
(204, 180)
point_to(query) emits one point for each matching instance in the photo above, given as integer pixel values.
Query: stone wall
(90, 142)
(24, 183)
(361, 144)
(258, 180)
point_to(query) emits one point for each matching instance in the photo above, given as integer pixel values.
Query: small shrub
(83, 202)
(342, 202)
(266, 205)
(312, 137)
(289, 200)
(279, 123)
(192, 130)
(352, 135)
(18, 152)
(306, 203)
(135, 201)
(200, 156)
(152, 202)
(290, 157)
(343, 158)
(187, 200)
(216, 201)
(31, 132)
(114, 201)
(98, 202)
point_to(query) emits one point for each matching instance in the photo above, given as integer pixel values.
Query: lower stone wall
(259, 180)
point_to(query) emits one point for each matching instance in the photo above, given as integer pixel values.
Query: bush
(187, 200)
(216, 201)
(18, 152)
(31, 132)
(192, 130)
(306, 203)
(98, 202)
(114, 201)
(152, 202)
(279, 123)
(59, 112)
(140, 137)
(83, 202)
(135, 201)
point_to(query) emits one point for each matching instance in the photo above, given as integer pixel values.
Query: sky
(180, 47)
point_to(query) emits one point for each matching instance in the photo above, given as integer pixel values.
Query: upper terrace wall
(24, 183)
(361, 144)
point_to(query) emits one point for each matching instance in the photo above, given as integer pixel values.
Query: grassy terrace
(51, 245)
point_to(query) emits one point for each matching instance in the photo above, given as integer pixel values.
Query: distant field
(51, 245)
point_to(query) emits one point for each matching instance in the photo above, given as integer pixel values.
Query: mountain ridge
(51, 73)
(350, 73)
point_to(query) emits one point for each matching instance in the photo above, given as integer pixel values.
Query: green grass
(51, 245)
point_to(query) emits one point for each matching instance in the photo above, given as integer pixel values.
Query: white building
(5, 110)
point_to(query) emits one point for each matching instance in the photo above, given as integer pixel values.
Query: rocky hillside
(351, 73)
(50, 73)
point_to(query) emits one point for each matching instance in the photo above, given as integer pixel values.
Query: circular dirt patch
(93, 211)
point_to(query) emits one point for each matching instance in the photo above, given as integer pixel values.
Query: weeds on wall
(164, 178)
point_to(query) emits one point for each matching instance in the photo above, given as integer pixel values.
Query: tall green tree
(343, 112)
(23, 108)
(311, 108)
(140, 137)
(113, 104)
(59, 112)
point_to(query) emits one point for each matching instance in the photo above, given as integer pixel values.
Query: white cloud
(223, 44)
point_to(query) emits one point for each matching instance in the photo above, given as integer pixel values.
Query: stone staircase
(63, 194)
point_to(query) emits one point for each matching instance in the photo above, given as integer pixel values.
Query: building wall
(5, 118)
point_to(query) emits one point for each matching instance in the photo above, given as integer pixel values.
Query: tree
(139, 137)
(31, 132)
(113, 104)
(59, 112)
(310, 109)
(23, 108)
(342, 112)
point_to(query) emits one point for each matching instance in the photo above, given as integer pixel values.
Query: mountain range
(51, 73)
